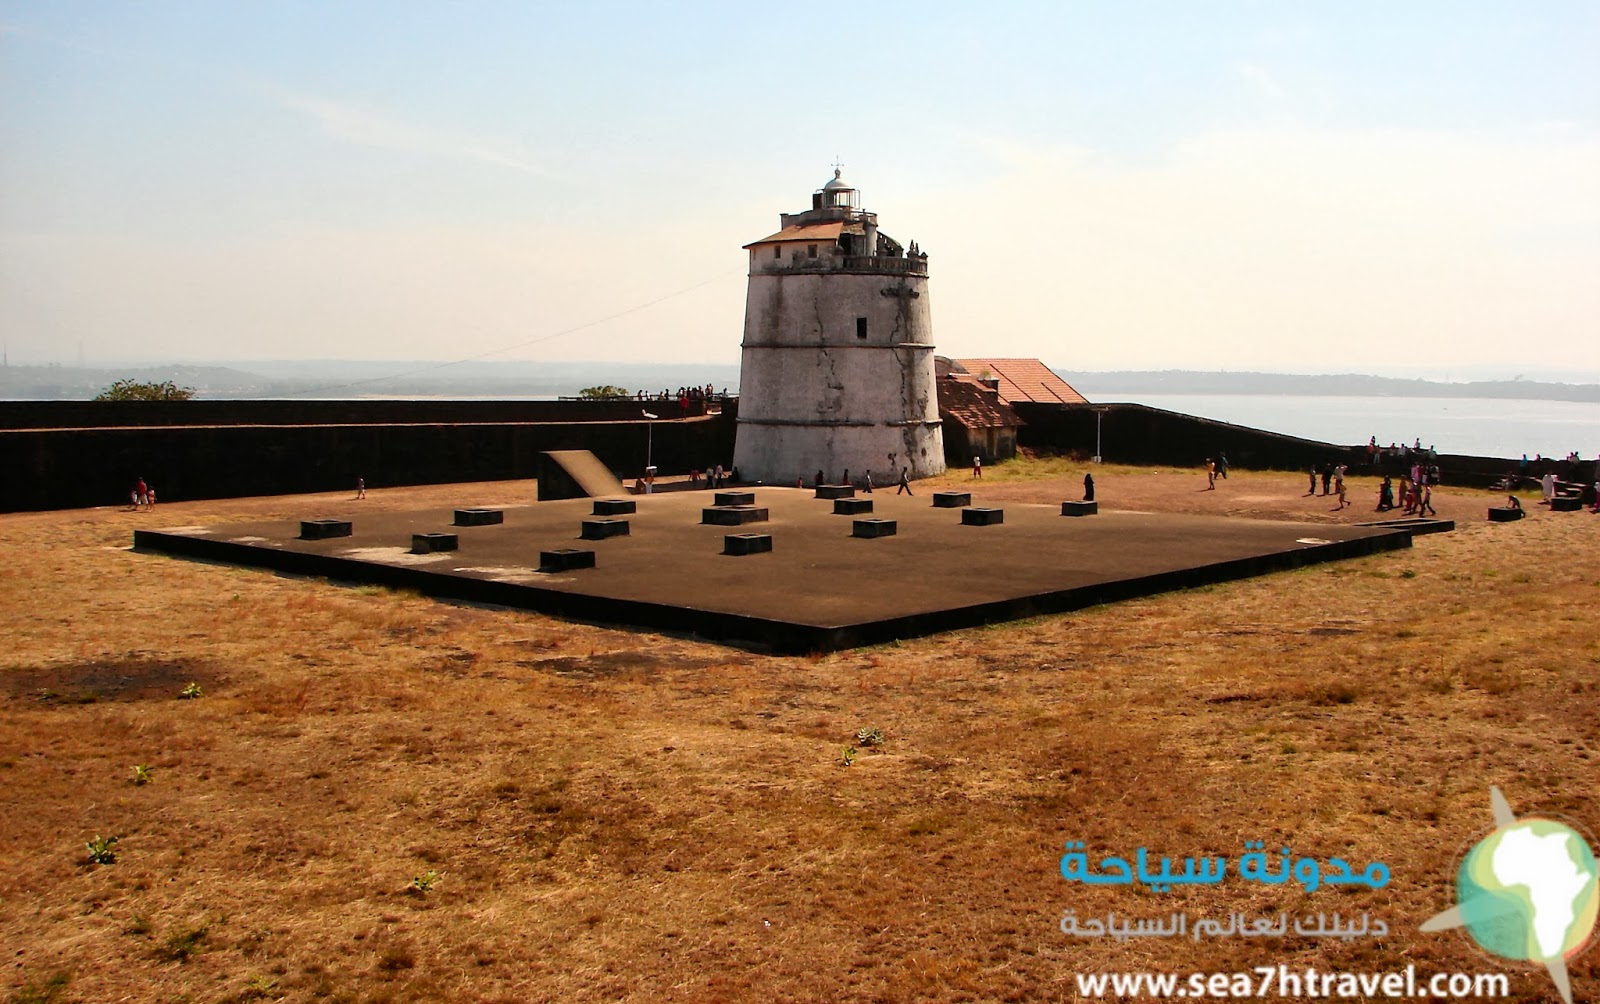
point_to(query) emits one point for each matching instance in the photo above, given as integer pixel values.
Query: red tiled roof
(806, 232)
(974, 405)
(1024, 380)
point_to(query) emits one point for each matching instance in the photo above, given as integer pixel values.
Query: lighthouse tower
(837, 365)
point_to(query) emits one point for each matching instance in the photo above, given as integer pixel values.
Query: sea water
(1480, 427)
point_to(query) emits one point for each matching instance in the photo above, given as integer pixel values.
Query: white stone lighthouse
(837, 368)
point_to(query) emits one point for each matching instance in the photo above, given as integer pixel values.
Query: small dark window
(861, 327)
(811, 250)
(777, 250)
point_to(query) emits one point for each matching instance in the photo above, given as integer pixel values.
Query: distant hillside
(358, 378)
(521, 378)
(73, 383)
(1345, 384)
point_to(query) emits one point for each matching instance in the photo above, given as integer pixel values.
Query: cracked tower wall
(837, 364)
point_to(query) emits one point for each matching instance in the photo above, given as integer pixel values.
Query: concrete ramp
(575, 474)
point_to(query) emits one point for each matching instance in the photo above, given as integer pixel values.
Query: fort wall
(49, 464)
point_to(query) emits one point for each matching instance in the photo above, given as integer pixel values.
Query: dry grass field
(606, 815)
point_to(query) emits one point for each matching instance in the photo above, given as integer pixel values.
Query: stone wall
(57, 468)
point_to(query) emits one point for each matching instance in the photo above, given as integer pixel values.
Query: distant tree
(143, 390)
(605, 390)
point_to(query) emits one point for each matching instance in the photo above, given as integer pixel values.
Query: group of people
(1415, 493)
(715, 477)
(683, 396)
(1398, 451)
(142, 496)
(866, 484)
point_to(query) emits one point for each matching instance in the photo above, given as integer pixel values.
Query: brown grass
(625, 816)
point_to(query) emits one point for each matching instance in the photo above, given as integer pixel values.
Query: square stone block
(322, 529)
(427, 543)
(1079, 508)
(851, 507)
(746, 543)
(600, 529)
(480, 517)
(835, 491)
(615, 507)
(1504, 514)
(1566, 503)
(733, 515)
(565, 559)
(982, 517)
(951, 500)
(734, 498)
(874, 528)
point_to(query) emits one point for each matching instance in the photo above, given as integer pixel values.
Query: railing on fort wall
(878, 263)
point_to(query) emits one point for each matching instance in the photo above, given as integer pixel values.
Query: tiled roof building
(1023, 380)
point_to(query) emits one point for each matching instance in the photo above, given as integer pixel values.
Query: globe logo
(1527, 891)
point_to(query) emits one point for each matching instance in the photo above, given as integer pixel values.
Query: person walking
(867, 488)
(1327, 477)
(1211, 475)
(361, 487)
(1425, 501)
(1311, 489)
(1222, 465)
(905, 482)
(977, 467)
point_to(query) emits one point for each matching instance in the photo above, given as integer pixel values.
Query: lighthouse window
(861, 327)
(811, 250)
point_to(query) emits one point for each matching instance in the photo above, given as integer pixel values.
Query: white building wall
(814, 395)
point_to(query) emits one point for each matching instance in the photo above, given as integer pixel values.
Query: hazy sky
(1380, 187)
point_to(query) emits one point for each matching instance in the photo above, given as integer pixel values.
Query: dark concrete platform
(733, 515)
(325, 529)
(430, 543)
(951, 500)
(1079, 508)
(747, 543)
(870, 528)
(480, 517)
(1504, 514)
(835, 491)
(565, 559)
(1414, 525)
(602, 529)
(822, 590)
(615, 507)
(734, 498)
(1566, 503)
(976, 516)
(851, 507)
